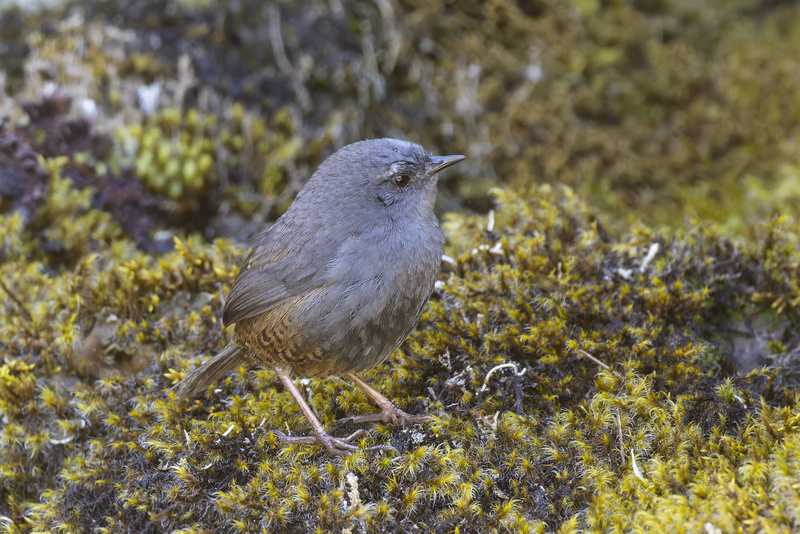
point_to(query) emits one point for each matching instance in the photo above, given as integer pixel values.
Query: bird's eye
(402, 180)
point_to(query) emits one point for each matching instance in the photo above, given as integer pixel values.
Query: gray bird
(339, 281)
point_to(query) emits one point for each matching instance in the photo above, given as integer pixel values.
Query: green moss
(528, 433)
(179, 156)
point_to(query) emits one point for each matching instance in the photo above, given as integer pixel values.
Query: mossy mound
(576, 380)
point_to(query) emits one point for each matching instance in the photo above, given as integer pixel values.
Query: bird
(339, 281)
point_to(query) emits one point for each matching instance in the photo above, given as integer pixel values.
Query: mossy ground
(584, 373)
(664, 437)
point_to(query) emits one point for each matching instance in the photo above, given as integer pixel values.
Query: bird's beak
(442, 162)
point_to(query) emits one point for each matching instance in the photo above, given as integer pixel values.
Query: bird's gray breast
(376, 287)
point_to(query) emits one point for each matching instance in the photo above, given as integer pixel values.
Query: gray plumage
(339, 281)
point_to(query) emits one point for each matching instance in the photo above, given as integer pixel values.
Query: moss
(528, 433)
(180, 156)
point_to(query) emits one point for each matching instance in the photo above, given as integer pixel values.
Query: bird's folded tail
(226, 360)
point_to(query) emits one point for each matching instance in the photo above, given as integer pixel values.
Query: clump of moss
(177, 168)
(187, 156)
(576, 380)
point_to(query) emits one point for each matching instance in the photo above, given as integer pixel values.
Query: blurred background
(208, 116)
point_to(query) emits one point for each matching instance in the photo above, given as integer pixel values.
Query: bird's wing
(280, 266)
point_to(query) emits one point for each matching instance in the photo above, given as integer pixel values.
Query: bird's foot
(390, 414)
(337, 446)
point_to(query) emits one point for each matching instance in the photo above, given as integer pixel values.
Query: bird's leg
(339, 446)
(389, 412)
